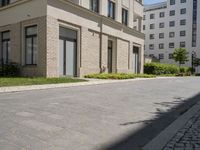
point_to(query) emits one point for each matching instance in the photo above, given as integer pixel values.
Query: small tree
(180, 55)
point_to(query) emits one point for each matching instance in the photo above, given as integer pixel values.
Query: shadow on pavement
(151, 128)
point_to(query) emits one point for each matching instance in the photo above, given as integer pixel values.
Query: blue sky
(152, 1)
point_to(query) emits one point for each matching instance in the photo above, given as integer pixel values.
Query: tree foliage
(180, 55)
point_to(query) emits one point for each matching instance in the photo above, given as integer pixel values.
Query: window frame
(182, 22)
(161, 46)
(162, 14)
(161, 35)
(161, 56)
(172, 2)
(183, 11)
(161, 25)
(171, 46)
(170, 34)
(152, 25)
(172, 14)
(32, 36)
(7, 40)
(113, 13)
(92, 8)
(182, 35)
(125, 16)
(152, 16)
(5, 3)
(174, 24)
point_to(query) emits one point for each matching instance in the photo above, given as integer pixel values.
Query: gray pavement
(124, 115)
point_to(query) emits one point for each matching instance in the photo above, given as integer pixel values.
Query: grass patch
(20, 81)
(119, 76)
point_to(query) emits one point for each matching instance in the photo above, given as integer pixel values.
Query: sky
(152, 1)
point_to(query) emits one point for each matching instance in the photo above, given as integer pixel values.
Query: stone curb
(64, 85)
(167, 134)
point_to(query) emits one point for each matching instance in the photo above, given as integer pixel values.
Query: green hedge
(10, 69)
(119, 76)
(161, 69)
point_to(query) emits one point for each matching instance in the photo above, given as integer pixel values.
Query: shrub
(160, 69)
(119, 76)
(10, 69)
(183, 69)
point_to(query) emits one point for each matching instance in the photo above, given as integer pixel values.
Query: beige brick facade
(90, 51)
(52, 44)
(93, 34)
(122, 55)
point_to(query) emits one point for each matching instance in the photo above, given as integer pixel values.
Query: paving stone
(188, 136)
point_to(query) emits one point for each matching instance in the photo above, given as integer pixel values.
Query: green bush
(119, 76)
(160, 69)
(10, 69)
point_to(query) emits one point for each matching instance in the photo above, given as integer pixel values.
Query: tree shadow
(151, 128)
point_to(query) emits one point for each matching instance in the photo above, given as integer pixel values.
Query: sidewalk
(182, 134)
(66, 85)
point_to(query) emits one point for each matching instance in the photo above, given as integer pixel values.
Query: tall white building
(169, 25)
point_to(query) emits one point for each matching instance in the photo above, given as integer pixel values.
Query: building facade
(169, 25)
(54, 38)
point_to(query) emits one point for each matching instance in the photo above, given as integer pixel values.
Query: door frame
(78, 44)
(75, 56)
(137, 64)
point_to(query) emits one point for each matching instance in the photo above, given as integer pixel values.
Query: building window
(162, 14)
(182, 33)
(151, 36)
(5, 53)
(183, 1)
(172, 23)
(161, 56)
(151, 55)
(172, 2)
(5, 2)
(182, 44)
(152, 26)
(171, 34)
(162, 25)
(172, 13)
(183, 22)
(144, 27)
(152, 16)
(31, 45)
(161, 46)
(171, 56)
(151, 46)
(183, 11)
(124, 16)
(161, 35)
(144, 17)
(94, 5)
(111, 9)
(171, 45)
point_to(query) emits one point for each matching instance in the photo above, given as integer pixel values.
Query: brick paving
(188, 137)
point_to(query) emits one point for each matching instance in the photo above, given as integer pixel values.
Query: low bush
(10, 69)
(119, 76)
(162, 69)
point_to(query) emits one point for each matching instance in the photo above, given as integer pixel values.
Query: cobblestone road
(187, 138)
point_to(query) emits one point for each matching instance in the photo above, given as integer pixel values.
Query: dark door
(110, 53)
(136, 68)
